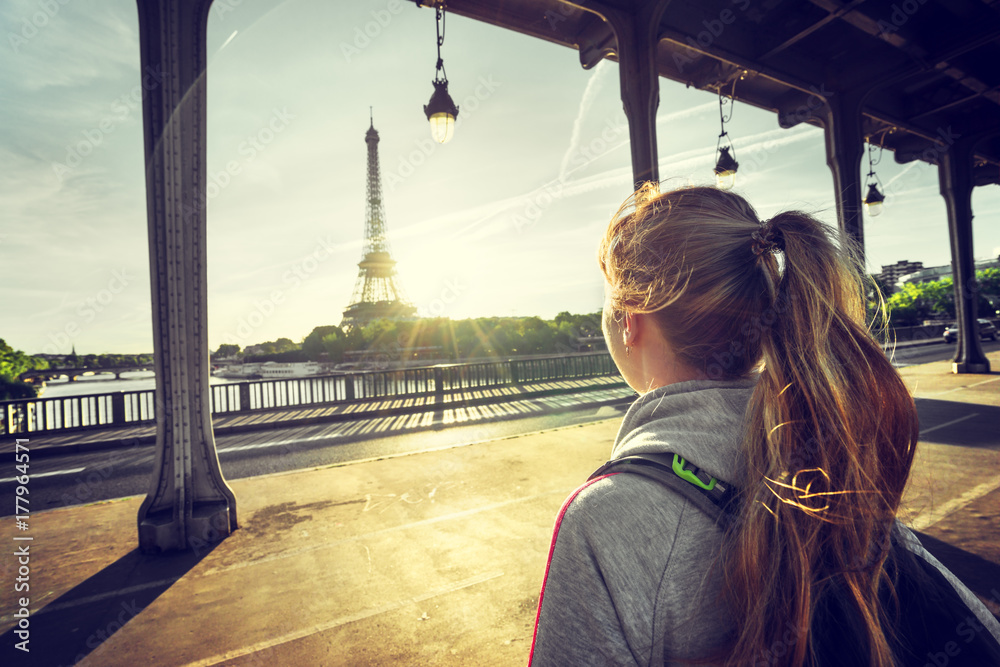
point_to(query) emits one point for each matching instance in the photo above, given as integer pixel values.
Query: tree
(988, 286)
(272, 347)
(325, 340)
(916, 302)
(13, 363)
(334, 345)
(226, 351)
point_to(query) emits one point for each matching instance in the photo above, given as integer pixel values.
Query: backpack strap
(713, 496)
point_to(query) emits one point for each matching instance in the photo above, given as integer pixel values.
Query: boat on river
(269, 370)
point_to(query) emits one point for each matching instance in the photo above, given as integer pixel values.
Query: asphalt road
(94, 476)
(937, 352)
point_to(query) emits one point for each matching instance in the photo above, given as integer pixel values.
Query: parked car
(986, 330)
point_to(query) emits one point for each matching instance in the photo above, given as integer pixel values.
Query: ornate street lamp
(441, 110)
(726, 165)
(725, 168)
(873, 200)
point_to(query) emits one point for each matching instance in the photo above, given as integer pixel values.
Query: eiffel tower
(377, 293)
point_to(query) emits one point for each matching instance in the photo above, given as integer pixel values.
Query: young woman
(747, 343)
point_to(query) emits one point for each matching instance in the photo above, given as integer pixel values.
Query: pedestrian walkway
(340, 419)
(433, 558)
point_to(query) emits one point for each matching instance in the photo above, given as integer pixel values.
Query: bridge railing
(123, 408)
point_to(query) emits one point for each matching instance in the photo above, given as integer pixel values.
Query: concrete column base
(165, 531)
(967, 367)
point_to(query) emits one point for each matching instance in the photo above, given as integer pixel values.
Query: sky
(503, 220)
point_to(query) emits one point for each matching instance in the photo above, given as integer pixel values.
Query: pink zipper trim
(552, 548)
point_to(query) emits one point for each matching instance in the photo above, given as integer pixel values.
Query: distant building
(891, 273)
(932, 273)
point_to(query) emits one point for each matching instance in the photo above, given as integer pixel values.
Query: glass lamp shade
(725, 180)
(873, 208)
(442, 127)
(725, 170)
(873, 200)
(441, 112)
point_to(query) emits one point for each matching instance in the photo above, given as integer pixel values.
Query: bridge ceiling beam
(925, 64)
(189, 504)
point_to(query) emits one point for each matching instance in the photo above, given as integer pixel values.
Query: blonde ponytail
(829, 442)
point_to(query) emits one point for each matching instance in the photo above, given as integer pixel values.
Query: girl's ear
(631, 325)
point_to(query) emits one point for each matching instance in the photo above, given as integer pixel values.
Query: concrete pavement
(433, 558)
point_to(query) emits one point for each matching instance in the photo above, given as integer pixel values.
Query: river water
(137, 381)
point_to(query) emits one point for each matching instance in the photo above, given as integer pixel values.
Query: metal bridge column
(637, 35)
(955, 176)
(845, 146)
(189, 503)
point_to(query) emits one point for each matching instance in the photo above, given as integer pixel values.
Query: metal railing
(125, 408)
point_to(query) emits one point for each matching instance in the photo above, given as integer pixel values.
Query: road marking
(279, 443)
(36, 475)
(927, 519)
(964, 386)
(343, 620)
(953, 421)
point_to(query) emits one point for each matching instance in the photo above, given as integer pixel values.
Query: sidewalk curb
(921, 343)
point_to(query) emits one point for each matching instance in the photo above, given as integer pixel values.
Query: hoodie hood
(701, 420)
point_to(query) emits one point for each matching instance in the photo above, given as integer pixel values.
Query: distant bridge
(72, 374)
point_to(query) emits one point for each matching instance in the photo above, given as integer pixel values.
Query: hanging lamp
(441, 110)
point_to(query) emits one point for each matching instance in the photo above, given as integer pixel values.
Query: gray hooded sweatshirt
(628, 580)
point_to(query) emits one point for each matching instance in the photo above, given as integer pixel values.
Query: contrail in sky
(594, 84)
(678, 164)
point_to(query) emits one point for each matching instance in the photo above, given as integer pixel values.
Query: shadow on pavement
(977, 427)
(68, 629)
(980, 575)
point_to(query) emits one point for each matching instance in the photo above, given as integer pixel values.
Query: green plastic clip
(689, 476)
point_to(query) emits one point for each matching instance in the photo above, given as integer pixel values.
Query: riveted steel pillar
(955, 176)
(189, 503)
